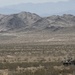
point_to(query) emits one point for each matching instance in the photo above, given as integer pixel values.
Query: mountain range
(26, 21)
(42, 9)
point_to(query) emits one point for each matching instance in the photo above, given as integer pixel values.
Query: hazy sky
(11, 2)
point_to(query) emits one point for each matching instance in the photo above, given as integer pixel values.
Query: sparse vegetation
(22, 59)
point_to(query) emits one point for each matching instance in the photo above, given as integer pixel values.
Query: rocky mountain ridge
(26, 21)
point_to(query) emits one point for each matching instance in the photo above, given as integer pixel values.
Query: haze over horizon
(40, 7)
(12, 2)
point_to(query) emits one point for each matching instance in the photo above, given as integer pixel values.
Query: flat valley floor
(36, 54)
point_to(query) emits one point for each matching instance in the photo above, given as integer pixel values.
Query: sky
(11, 2)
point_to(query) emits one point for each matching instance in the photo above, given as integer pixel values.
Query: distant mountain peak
(26, 21)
